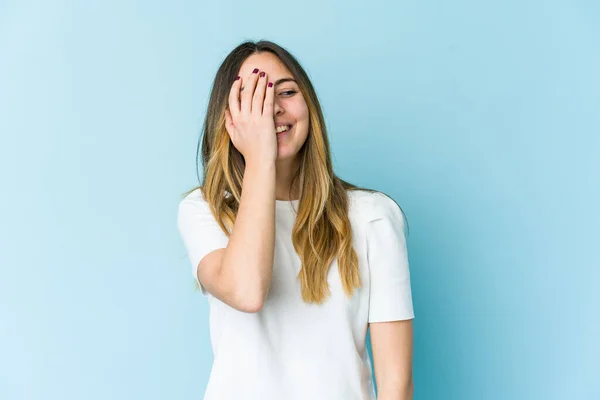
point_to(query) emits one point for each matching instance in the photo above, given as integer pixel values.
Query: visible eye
(292, 92)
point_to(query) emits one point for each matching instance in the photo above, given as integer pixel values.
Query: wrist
(260, 165)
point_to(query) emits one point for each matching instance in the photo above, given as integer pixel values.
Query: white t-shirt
(289, 349)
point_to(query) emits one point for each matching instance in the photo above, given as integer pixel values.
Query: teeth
(282, 128)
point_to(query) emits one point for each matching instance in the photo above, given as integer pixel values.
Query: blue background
(482, 119)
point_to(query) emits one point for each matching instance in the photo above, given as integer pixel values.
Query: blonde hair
(322, 230)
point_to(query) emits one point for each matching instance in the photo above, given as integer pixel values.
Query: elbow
(251, 302)
(252, 298)
(253, 307)
(243, 303)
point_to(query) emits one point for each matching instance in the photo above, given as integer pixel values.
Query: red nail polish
(262, 74)
(255, 70)
(270, 84)
(237, 77)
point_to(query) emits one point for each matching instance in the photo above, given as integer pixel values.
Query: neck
(283, 180)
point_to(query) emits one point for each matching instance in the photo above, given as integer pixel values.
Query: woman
(296, 263)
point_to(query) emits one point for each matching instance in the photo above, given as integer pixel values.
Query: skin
(392, 344)
(289, 106)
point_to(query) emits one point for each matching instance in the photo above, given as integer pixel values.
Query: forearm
(248, 259)
(397, 392)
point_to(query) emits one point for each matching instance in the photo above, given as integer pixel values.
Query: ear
(228, 122)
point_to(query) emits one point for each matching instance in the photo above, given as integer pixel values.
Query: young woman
(296, 263)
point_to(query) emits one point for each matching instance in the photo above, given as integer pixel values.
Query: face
(289, 108)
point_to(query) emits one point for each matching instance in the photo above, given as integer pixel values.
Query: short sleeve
(390, 290)
(199, 231)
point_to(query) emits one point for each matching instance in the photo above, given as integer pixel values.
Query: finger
(248, 92)
(234, 97)
(269, 104)
(259, 93)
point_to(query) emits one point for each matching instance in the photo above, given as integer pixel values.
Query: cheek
(304, 118)
(305, 113)
(301, 111)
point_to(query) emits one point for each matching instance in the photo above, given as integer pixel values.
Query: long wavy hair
(322, 229)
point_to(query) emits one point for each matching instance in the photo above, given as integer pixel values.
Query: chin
(284, 153)
(282, 156)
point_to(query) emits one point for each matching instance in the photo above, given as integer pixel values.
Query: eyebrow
(282, 80)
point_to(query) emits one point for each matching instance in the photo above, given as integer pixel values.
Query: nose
(277, 109)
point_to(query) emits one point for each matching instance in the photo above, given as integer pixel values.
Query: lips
(287, 130)
(284, 133)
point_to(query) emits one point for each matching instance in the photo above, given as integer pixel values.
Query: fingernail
(237, 77)
(255, 70)
(262, 74)
(270, 84)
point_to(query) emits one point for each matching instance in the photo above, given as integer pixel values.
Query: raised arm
(245, 268)
(247, 264)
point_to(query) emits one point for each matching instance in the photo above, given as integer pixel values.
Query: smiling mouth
(283, 129)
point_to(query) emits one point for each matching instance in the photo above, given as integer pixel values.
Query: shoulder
(384, 206)
(193, 203)
(194, 197)
(371, 206)
(359, 203)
